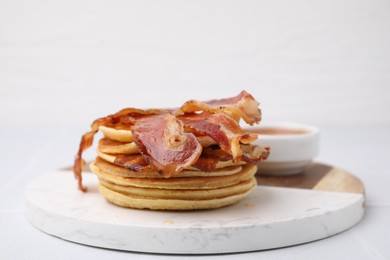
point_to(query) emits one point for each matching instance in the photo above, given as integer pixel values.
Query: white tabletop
(360, 149)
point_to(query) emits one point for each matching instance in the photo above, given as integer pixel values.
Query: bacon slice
(210, 157)
(134, 162)
(254, 153)
(207, 161)
(224, 130)
(162, 141)
(241, 106)
(85, 143)
(122, 119)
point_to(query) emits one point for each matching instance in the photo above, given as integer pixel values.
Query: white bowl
(293, 147)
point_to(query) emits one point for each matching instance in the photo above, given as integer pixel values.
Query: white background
(64, 63)
(306, 61)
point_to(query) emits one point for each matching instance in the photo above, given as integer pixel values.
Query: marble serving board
(281, 211)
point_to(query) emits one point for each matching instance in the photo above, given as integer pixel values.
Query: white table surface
(29, 150)
(65, 62)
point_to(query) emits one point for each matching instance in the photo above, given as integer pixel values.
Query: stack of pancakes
(191, 188)
(196, 156)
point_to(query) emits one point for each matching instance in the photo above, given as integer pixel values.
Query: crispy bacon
(224, 130)
(207, 161)
(253, 153)
(162, 141)
(85, 143)
(122, 119)
(210, 157)
(134, 162)
(241, 106)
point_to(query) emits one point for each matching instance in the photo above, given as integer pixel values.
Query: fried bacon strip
(134, 162)
(222, 128)
(122, 119)
(253, 154)
(162, 141)
(207, 161)
(241, 106)
(211, 156)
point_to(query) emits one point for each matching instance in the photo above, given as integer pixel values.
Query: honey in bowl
(277, 131)
(292, 147)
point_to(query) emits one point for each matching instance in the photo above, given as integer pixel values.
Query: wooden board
(281, 211)
(317, 176)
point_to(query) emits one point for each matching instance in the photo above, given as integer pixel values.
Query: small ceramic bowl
(293, 147)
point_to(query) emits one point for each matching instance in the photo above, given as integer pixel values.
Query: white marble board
(270, 217)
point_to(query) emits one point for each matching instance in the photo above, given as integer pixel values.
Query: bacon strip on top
(122, 119)
(162, 141)
(241, 106)
(222, 128)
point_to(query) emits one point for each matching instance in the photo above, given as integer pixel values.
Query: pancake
(120, 135)
(113, 169)
(200, 194)
(129, 201)
(110, 146)
(180, 183)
